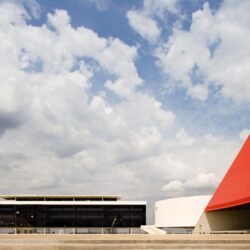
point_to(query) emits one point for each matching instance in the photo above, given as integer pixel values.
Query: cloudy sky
(146, 99)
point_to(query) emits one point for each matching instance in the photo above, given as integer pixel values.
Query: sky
(148, 99)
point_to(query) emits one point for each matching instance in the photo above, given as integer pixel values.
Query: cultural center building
(226, 211)
(229, 208)
(71, 214)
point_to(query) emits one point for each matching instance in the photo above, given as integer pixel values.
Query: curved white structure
(183, 212)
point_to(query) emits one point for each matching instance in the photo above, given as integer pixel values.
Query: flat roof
(14, 202)
(30, 196)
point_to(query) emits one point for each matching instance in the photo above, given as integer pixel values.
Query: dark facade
(76, 216)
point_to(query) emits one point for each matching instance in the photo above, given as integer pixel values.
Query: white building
(183, 212)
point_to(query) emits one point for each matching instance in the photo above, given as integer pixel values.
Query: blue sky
(149, 95)
(212, 115)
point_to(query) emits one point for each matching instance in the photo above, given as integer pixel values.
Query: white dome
(180, 212)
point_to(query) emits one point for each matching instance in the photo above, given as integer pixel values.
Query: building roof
(30, 197)
(65, 200)
(234, 189)
(71, 203)
(182, 212)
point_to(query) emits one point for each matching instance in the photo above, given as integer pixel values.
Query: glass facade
(72, 216)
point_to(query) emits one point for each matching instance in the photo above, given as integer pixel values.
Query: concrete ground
(125, 237)
(126, 241)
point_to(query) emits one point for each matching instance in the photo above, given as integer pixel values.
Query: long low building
(33, 213)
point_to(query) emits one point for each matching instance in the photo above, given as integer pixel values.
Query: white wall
(180, 212)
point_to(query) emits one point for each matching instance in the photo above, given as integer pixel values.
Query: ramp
(150, 229)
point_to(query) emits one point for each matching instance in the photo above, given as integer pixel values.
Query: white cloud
(116, 58)
(101, 5)
(33, 7)
(67, 45)
(213, 52)
(159, 7)
(203, 181)
(52, 123)
(244, 134)
(183, 137)
(143, 22)
(144, 25)
(59, 135)
(12, 13)
(206, 182)
(198, 168)
(59, 20)
(175, 186)
(199, 92)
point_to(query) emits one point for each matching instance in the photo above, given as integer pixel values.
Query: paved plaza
(132, 242)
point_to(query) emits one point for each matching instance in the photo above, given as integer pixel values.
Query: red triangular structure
(234, 190)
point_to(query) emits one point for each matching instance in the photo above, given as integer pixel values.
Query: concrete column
(130, 230)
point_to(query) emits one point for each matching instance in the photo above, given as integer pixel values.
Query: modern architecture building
(65, 213)
(180, 213)
(229, 208)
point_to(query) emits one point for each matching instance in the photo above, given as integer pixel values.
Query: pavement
(123, 241)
